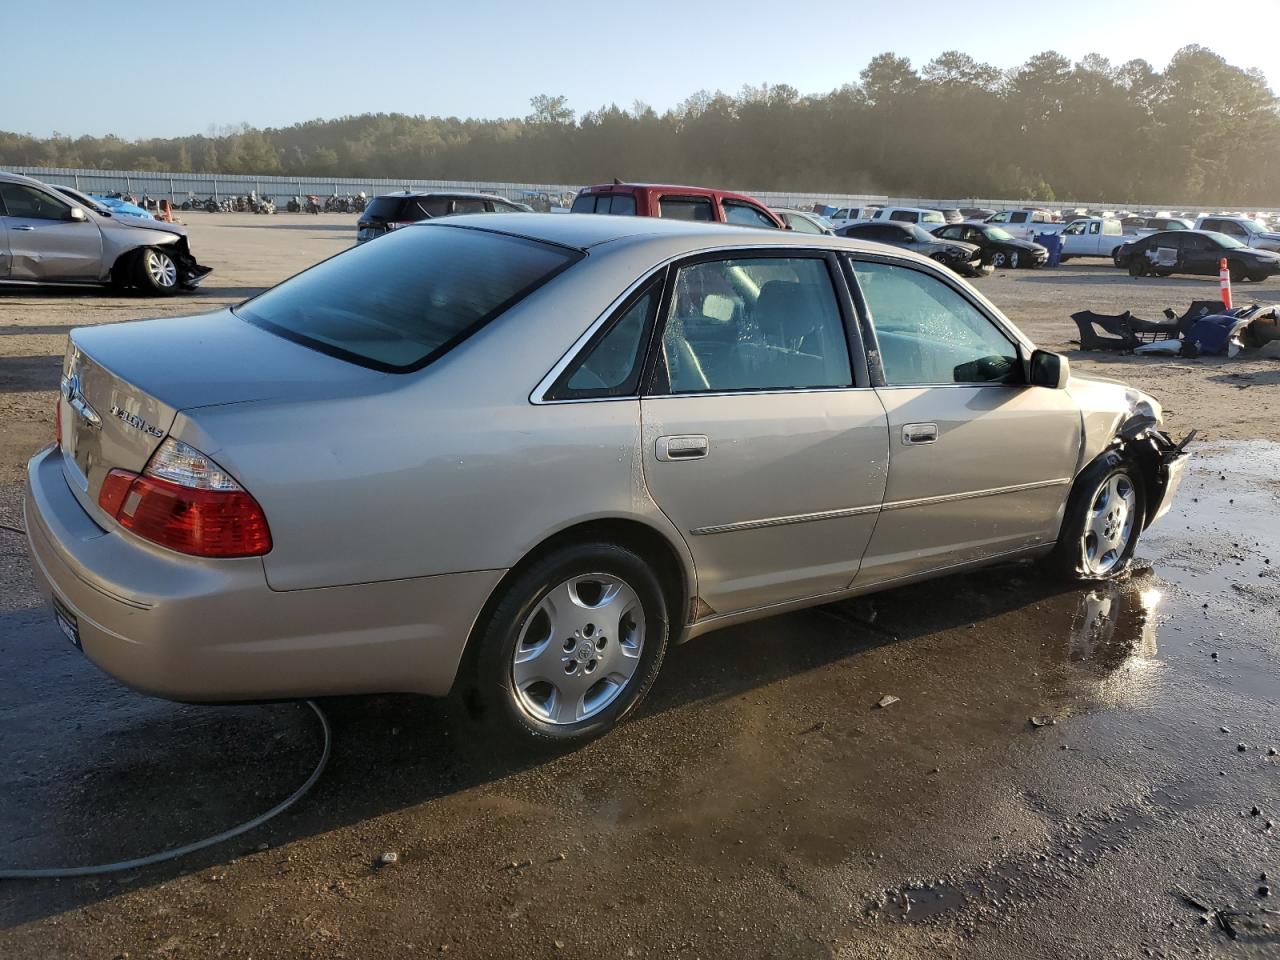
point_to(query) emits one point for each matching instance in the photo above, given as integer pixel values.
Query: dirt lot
(760, 805)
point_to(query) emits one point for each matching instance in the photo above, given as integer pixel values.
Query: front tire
(571, 647)
(1102, 522)
(155, 272)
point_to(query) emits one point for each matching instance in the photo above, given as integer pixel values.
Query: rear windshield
(408, 299)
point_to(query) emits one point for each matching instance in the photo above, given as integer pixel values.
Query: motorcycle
(313, 203)
(294, 205)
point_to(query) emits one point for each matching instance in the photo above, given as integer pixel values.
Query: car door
(45, 243)
(761, 443)
(1093, 238)
(1198, 254)
(979, 462)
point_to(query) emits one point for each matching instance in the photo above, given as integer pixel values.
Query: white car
(1091, 237)
(1025, 224)
(1252, 233)
(927, 218)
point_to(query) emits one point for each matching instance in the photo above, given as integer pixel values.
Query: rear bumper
(199, 630)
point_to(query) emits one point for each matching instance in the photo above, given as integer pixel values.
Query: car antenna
(617, 182)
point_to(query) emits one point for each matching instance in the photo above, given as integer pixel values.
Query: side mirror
(77, 214)
(1048, 369)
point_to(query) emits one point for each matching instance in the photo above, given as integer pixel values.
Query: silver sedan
(516, 456)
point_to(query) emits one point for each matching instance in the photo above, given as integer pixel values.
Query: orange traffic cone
(1224, 282)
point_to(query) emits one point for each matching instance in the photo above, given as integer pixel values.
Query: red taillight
(189, 519)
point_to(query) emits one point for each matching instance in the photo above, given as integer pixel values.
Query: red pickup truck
(675, 203)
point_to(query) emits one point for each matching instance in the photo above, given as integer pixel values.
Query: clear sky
(148, 68)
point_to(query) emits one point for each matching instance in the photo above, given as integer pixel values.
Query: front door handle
(913, 433)
(24, 226)
(684, 447)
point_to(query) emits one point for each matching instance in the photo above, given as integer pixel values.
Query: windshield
(78, 197)
(1256, 226)
(919, 234)
(998, 233)
(1224, 240)
(409, 298)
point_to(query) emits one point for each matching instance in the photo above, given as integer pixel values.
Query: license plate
(66, 621)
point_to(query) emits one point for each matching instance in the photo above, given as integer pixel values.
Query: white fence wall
(178, 186)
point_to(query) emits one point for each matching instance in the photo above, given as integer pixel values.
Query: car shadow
(157, 774)
(47, 330)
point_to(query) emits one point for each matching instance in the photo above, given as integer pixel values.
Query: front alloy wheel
(156, 272)
(1109, 526)
(999, 259)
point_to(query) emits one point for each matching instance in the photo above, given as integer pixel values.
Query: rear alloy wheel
(572, 646)
(1103, 520)
(155, 272)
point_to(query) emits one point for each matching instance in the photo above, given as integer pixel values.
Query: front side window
(611, 365)
(746, 215)
(767, 323)
(928, 333)
(468, 205)
(1075, 230)
(400, 303)
(23, 201)
(907, 216)
(686, 208)
(434, 206)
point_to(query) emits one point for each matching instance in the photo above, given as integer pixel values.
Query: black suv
(393, 210)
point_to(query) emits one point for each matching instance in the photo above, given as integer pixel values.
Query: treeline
(1201, 129)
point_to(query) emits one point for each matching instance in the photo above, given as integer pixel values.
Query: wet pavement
(1061, 776)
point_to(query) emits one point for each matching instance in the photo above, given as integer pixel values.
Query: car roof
(20, 178)
(405, 194)
(583, 231)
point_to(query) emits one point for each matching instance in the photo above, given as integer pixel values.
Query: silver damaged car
(52, 236)
(516, 457)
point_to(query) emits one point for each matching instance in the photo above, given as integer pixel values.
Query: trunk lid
(123, 385)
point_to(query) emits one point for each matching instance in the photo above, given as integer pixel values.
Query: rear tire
(571, 647)
(155, 272)
(1236, 272)
(1102, 522)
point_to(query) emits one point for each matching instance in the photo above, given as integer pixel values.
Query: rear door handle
(683, 447)
(24, 226)
(913, 433)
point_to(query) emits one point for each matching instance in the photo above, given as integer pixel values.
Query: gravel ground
(759, 805)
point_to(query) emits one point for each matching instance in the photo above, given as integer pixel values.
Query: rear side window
(1017, 218)
(754, 324)
(686, 208)
(746, 215)
(388, 209)
(468, 205)
(404, 301)
(611, 365)
(907, 216)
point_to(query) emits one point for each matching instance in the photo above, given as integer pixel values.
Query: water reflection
(1115, 625)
